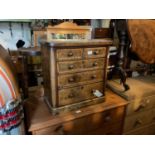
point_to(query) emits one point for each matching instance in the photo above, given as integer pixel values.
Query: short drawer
(80, 93)
(95, 52)
(140, 104)
(76, 78)
(69, 54)
(94, 63)
(138, 120)
(70, 66)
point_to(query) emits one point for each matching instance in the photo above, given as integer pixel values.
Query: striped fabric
(7, 92)
(11, 110)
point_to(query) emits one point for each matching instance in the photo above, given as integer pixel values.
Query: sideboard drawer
(53, 130)
(69, 54)
(107, 122)
(140, 104)
(76, 78)
(138, 120)
(80, 93)
(91, 124)
(95, 52)
(70, 66)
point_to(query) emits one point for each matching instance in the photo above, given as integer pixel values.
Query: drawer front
(70, 66)
(138, 120)
(99, 122)
(69, 54)
(114, 129)
(77, 94)
(139, 131)
(146, 130)
(94, 63)
(107, 122)
(53, 130)
(95, 52)
(139, 105)
(76, 78)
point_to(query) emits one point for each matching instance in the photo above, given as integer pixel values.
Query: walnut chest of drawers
(74, 73)
(140, 112)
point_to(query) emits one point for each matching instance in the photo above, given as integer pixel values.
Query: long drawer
(138, 120)
(107, 122)
(145, 130)
(77, 66)
(80, 78)
(80, 93)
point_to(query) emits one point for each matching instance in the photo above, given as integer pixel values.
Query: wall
(8, 41)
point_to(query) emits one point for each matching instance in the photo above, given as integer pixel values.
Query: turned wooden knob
(71, 66)
(60, 130)
(70, 54)
(96, 52)
(71, 79)
(71, 95)
(138, 122)
(107, 118)
(93, 76)
(95, 64)
(141, 107)
(93, 91)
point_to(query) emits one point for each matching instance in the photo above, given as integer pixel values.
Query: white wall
(8, 41)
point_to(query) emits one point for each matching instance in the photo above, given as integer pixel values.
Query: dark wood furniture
(103, 118)
(102, 33)
(74, 73)
(26, 53)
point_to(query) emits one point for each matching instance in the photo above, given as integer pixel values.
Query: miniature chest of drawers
(74, 73)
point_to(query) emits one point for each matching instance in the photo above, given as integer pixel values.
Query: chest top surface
(75, 43)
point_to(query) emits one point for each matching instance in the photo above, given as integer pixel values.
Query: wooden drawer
(53, 130)
(95, 52)
(139, 131)
(80, 78)
(139, 105)
(114, 129)
(71, 66)
(146, 130)
(94, 63)
(69, 54)
(138, 120)
(77, 94)
(99, 121)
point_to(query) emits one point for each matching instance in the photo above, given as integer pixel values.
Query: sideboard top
(65, 43)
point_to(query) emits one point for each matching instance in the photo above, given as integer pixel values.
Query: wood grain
(104, 118)
(142, 35)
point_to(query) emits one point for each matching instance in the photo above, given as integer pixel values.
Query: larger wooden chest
(140, 112)
(74, 73)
